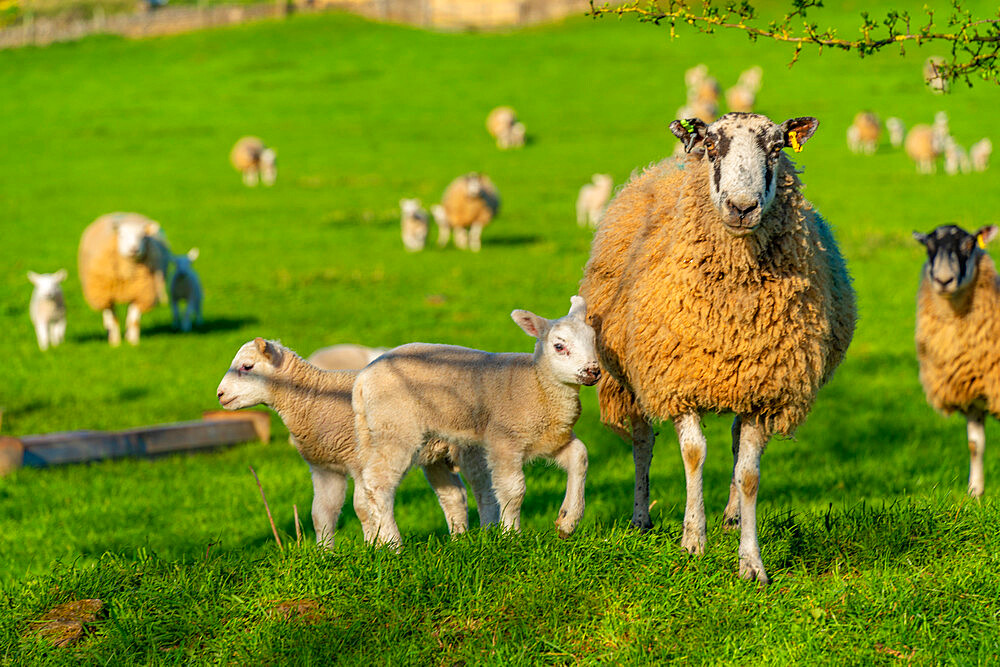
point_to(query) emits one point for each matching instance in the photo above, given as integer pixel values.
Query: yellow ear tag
(796, 146)
(981, 242)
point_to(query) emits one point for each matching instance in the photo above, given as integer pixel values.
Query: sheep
(469, 203)
(514, 406)
(933, 75)
(751, 78)
(315, 405)
(414, 223)
(979, 154)
(252, 158)
(345, 357)
(958, 324)
(47, 308)
(592, 199)
(956, 160)
(714, 286)
(123, 258)
(864, 133)
(922, 148)
(503, 125)
(740, 98)
(186, 286)
(896, 131)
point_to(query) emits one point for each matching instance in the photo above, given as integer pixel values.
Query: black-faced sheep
(470, 202)
(252, 158)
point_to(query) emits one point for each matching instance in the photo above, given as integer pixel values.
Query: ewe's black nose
(743, 212)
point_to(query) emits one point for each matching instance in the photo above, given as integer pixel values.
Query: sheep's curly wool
(692, 319)
(107, 278)
(465, 210)
(957, 343)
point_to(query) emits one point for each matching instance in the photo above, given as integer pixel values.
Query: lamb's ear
(60, 275)
(33, 277)
(577, 308)
(690, 131)
(192, 254)
(986, 234)
(268, 350)
(798, 130)
(920, 238)
(532, 324)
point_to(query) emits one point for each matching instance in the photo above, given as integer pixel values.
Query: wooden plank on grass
(261, 420)
(11, 454)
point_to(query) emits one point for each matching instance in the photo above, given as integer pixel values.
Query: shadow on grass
(211, 325)
(524, 239)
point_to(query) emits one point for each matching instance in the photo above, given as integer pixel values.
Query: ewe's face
(743, 151)
(409, 206)
(47, 284)
(952, 255)
(567, 344)
(246, 382)
(132, 238)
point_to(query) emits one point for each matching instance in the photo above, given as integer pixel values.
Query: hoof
(643, 524)
(731, 522)
(693, 544)
(975, 491)
(753, 571)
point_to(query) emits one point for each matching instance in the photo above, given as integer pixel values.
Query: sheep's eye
(709, 145)
(248, 367)
(559, 347)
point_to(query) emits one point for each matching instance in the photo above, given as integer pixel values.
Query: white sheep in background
(933, 75)
(345, 357)
(252, 158)
(958, 326)
(956, 160)
(123, 259)
(315, 405)
(897, 131)
(979, 154)
(186, 286)
(503, 125)
(922, 148)
(743, 95)
(592, 199)
(515, 406)
(414, 224)
(48, 308)
(470, 202)
(863, 134)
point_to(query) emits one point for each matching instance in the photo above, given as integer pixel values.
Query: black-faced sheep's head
(952, 256)
(743, 149)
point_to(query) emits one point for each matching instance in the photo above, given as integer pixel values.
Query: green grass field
(875, 553)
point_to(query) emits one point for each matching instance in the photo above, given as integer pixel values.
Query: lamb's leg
(573, 459)
(643, 439)
(693, 450)
(42, 334)
(389, 460)
(731, 517)
(977, 447)
(176, 313)
(188, 316)
(752, 441)
(250, 177)
(582, 214)
(111, 324)
(475, 238)
(507, 468)
(444, 233)
(462, 238)
(58, 332)
(132, 317)
(472, 461)
(329, 490)
(450, 494)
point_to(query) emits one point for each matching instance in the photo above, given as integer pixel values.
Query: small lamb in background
(956, 160)
(503, 125)
(897, 131)
(933, 75)
(979, 154)
(186, 286)
(345, 357)
(414, 224)
(255, 161)
(592, 199)
(48, 308)
(864, 133)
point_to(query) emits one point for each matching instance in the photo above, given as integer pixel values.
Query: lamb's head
(252, 374)
(47, 284)
(567, 345)
(953, 256)
(409, 206)
(183, 262)
(133, 236)
(440, 216)
(743, 150)
(603, 181)
(268, 166)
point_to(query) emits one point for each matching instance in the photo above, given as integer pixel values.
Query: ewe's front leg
(693, 450)
(450, 494)
(462, 238)
(731, 517)
(977, 447)
(111, 324)
(444, 233)
(643, 439)
(475, 469)
(573, 459)
(132, 318)
(752, 441)
(329, 491)
(475, 238)
(507, 468)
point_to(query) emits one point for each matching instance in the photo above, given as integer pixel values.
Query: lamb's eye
(559, 347)
(248, 367)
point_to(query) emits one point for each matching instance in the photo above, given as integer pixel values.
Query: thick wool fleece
(463, 210)
(957, 343)
(107, 278)
(246, 153)
(692, 319)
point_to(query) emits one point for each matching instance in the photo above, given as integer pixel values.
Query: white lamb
(48, 308)
(345, 356)
(186, 286)
(956, 160)
(979, 154)
(414, 223)
(897, 131)
(592, 199)
(514, 406)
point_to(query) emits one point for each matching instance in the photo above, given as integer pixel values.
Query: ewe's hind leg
(573, 459)
(111, 324)
(977, 447)
(643, 439)
(444, 233)
(475, 469)
(329, 490)
(752, 441)
(451, 495)
(693, 449)
(462, 238)
(475, 238)
(507, 467)
(132, 317)
(731, 517)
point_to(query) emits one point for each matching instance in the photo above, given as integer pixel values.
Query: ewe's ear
(33, 277)
(986, 234)
(577, 308)
(268, 350)
(798, 130)
(532, 324)
(690, 131)
(193, 254)
(60, 275)
(920, 238)
(152, 229)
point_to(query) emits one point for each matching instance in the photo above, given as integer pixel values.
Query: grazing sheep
(503, 125)
(469, 203)
(896, 131)
(979, 154)
(315, 405)
(933, 75)
(958, 326)
(414, 223)
(47, 308)
(345, 357)
(956, 160)
(592, 199)
(255, 161)
(123, 259)
(515, 406)
(864, 133)
(186, 286)
(714, 286)
(922, 148)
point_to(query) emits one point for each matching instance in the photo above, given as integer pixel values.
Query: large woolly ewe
(863, 134)
(958, 326)
(315, 405)
(592, 199)
(47, 308)
(252, 158)
(714, 286)
(514, 406)
(923, 148)
(123, 259)
(413, 224)
(470, 202)
(185, 286)
(504, 126)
